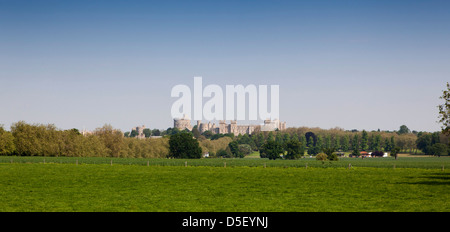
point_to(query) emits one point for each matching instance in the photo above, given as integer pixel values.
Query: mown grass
(123, 188)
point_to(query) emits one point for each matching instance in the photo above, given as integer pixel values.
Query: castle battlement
(232, 127)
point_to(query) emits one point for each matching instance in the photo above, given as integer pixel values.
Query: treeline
(316, 140)
(46, 140)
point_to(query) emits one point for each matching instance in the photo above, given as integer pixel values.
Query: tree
(444, 111)
(294, 149)
(377, 143)
(7, 146)
(403, 130)
(395, 151)
(234, 148)
(208, 134)
(330, 155)
(244, 150)
(439, 149)
(346, 143)
(337, 143)
(156, 132)
(182, 145)
(271, 149)
(321, 156)
(355, 146)
(387, 144)
(147, 132)
(111, 138)
(364, 140)
(133, 133)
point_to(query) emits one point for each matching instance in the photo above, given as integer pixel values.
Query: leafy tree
(310, 138)
(319, 143)
(403, 130)
(393, 144)
(424, 143)
(270, 137)
(183, 145)
(444, 111)
(364, 140)
(111, 138)
(387, 145)
(337, 142)
(244, 149)
(156, 132)
(234, 148)
(439, 149)
(271, 149)
(313, 150)
(223, 153)
(147, 132)
(395, 151)
(133, 133)
(7, 146)
(377, 143)
(208, 134)
(321, 156)
(330, 155)
(196, 132)
(327, 143)
(355, 146)
(294, 149)
(346, 143)
(303, 144)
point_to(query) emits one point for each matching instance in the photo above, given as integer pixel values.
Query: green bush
(321, 156)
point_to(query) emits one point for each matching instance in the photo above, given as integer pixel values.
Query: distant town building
(182, 123)
(232, 127)
(139, 131)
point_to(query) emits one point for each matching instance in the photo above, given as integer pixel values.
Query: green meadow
(52, 186)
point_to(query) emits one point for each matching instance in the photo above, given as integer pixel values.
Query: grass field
(402, 162)
(66, 187)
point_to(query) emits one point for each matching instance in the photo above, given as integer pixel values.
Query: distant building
(139, 131)
(182, 123)
(232, 127)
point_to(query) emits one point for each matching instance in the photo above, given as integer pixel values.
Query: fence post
(77, 161)
(185, 163)
(111, 162)
(349, 166)
(442, 167)
(224, 164)
(264, 165)
(148, 163)
(306, 166)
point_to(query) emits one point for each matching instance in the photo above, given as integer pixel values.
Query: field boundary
(401, 162)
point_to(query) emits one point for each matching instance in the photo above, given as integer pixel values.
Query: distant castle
(232, 127)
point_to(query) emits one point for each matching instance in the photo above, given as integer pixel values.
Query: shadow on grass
(432, 179)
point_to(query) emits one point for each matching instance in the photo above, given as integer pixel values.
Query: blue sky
(350, 64)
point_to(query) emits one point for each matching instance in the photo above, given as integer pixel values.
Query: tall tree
(444, 111)
(346, 143)
(183, 145)
(271, 149)
(355, 145)
(403, 130)
(7, 146)
(364, 140)
(294, 149)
